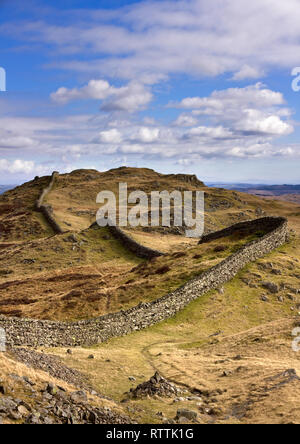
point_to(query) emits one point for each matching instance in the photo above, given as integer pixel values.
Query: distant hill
(259, 189)
(74, 197)
(4, 188)
(73, 200)
(274, 190)
(288, 193)
(233, 186)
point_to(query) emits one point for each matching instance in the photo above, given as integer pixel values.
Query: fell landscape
(149, 215)
(227, 355)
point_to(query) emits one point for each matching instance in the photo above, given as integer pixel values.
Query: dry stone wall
(131, 245)
(136, 248)
(34, 333)
(47, 210)
(264, 224)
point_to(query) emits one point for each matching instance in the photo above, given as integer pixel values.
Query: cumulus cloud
(96, 89)
(133, 97)
(75, 138)
(252, 110)
(18, 166)
(237, 123)
(254, 121)
(147, 135)
(254, 95)
(110, 136)
(248, 72)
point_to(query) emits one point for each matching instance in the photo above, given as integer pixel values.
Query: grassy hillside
(60, 279)
(230, 347)
(19, 221)
(86, 272)
(74, 195)
(229, 351)
(38, 389)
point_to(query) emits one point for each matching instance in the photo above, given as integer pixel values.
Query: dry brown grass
(18, 219)
(98, 278)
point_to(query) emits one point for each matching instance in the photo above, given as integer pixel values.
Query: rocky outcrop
(47, 210)
(51, 404)
(156, 386)
(190, 179)
(29, 332)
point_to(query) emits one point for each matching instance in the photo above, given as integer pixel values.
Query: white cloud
(110, 136)
(18, 166)
(219, 101)
(96, 89)
(132, 149)
(237, 123)
(185, 120)
(257, 122)
(15, 141)
(248, 72)
(209, 132)
(245, 134)
(133, 97)
(184, 162)
(253, 109)
(147, 135)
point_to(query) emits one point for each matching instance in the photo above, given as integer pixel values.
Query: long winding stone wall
(26, 332)
(47, 210)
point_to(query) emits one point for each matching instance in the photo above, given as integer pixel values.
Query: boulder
(271, 287)
(188, 414)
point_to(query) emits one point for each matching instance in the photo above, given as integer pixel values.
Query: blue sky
(179, 86)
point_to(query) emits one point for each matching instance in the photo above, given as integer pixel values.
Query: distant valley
(289, 193)
(4, 188)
